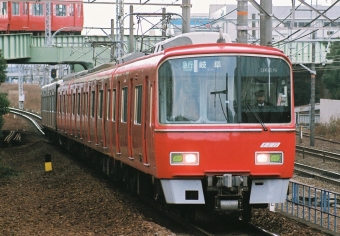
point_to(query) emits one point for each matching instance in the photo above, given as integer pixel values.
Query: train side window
(86, 104)
(60, 10)
(108, 104)
(73, 103)
(25, 8)
(71, 10)
(69, 103)
(124, 104)
(78, 104)
(4, 8)
(38, 9)
(15, 9)
(138, 105)
(92, 103)
(113, 105)
(60, 102)
(100, 107)
(79, 8)
(150, 108)
(64, 103)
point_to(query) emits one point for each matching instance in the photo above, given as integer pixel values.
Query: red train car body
(20, 16)
(185, 119)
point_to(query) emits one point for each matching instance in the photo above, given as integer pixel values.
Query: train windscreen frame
(223, 89)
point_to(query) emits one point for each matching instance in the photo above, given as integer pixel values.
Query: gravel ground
(74, 200)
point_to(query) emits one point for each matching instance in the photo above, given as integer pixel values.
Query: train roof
(218, 48)
(192, 38)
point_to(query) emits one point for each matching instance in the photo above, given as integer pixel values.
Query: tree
(4, 103)
(3, 67)
(331, 76)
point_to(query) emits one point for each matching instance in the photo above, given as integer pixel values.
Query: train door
(123, 121)
(89, 111)
(112, 117)
(147, 124)
(147, 116)
(25, 15)
(64, 111)
(78, 108)
(105, 107)
(69, 111)
(137, 128)
(51, 107)
(74, 111)
(101, 115)
(100, 119)
(94, 113)
(118, 152)
(58, 115)
(130, 118)
(80, 111)
(4, 18)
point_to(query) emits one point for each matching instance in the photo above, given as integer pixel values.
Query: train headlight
(184, 158)
(269, 158)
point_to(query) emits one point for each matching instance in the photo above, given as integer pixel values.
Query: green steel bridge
(80, 51)
(85, 52)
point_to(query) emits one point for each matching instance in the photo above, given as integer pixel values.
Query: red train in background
(21, 16)
(182, 124)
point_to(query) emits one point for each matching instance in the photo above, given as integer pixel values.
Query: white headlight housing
(268, 158)
(184, 158)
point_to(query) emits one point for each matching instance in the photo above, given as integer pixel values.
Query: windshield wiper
(218, 92)
(257, 117)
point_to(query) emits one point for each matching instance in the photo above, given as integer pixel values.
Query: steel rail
(35, 123)
(26, 112)
(318, 153)
(317, 173)
(319, 138)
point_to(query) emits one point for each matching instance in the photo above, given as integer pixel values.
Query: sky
(100, 15)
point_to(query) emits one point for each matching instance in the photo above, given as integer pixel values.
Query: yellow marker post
(48, 163)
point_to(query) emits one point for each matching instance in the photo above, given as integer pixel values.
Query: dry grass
(330, 130)
(32, 93)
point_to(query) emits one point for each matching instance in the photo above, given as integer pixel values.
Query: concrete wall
(329, 109)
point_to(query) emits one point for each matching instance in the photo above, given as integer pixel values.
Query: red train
(21, 16)
(182, 124)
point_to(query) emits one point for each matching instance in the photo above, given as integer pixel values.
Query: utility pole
(48, 34)
(120, 27)
(112, 53)
(266, 23)
(242, 21)
(164, 26)
(312, 95)
(21, 87)
(186, 16)
(131, 48)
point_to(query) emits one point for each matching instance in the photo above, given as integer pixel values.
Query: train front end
(225, 130)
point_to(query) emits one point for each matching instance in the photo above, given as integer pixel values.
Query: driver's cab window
(265, 92)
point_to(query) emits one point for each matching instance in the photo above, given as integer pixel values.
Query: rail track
(317, 173)
(30, 116)
(314, 172)
(319, 138)
(327, 155)
(207, 226)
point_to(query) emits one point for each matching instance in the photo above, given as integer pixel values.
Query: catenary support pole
(186, 16)
(242, 21)
(266, 23)
(131, 48)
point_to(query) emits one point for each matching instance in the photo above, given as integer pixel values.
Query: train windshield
(224, 89)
